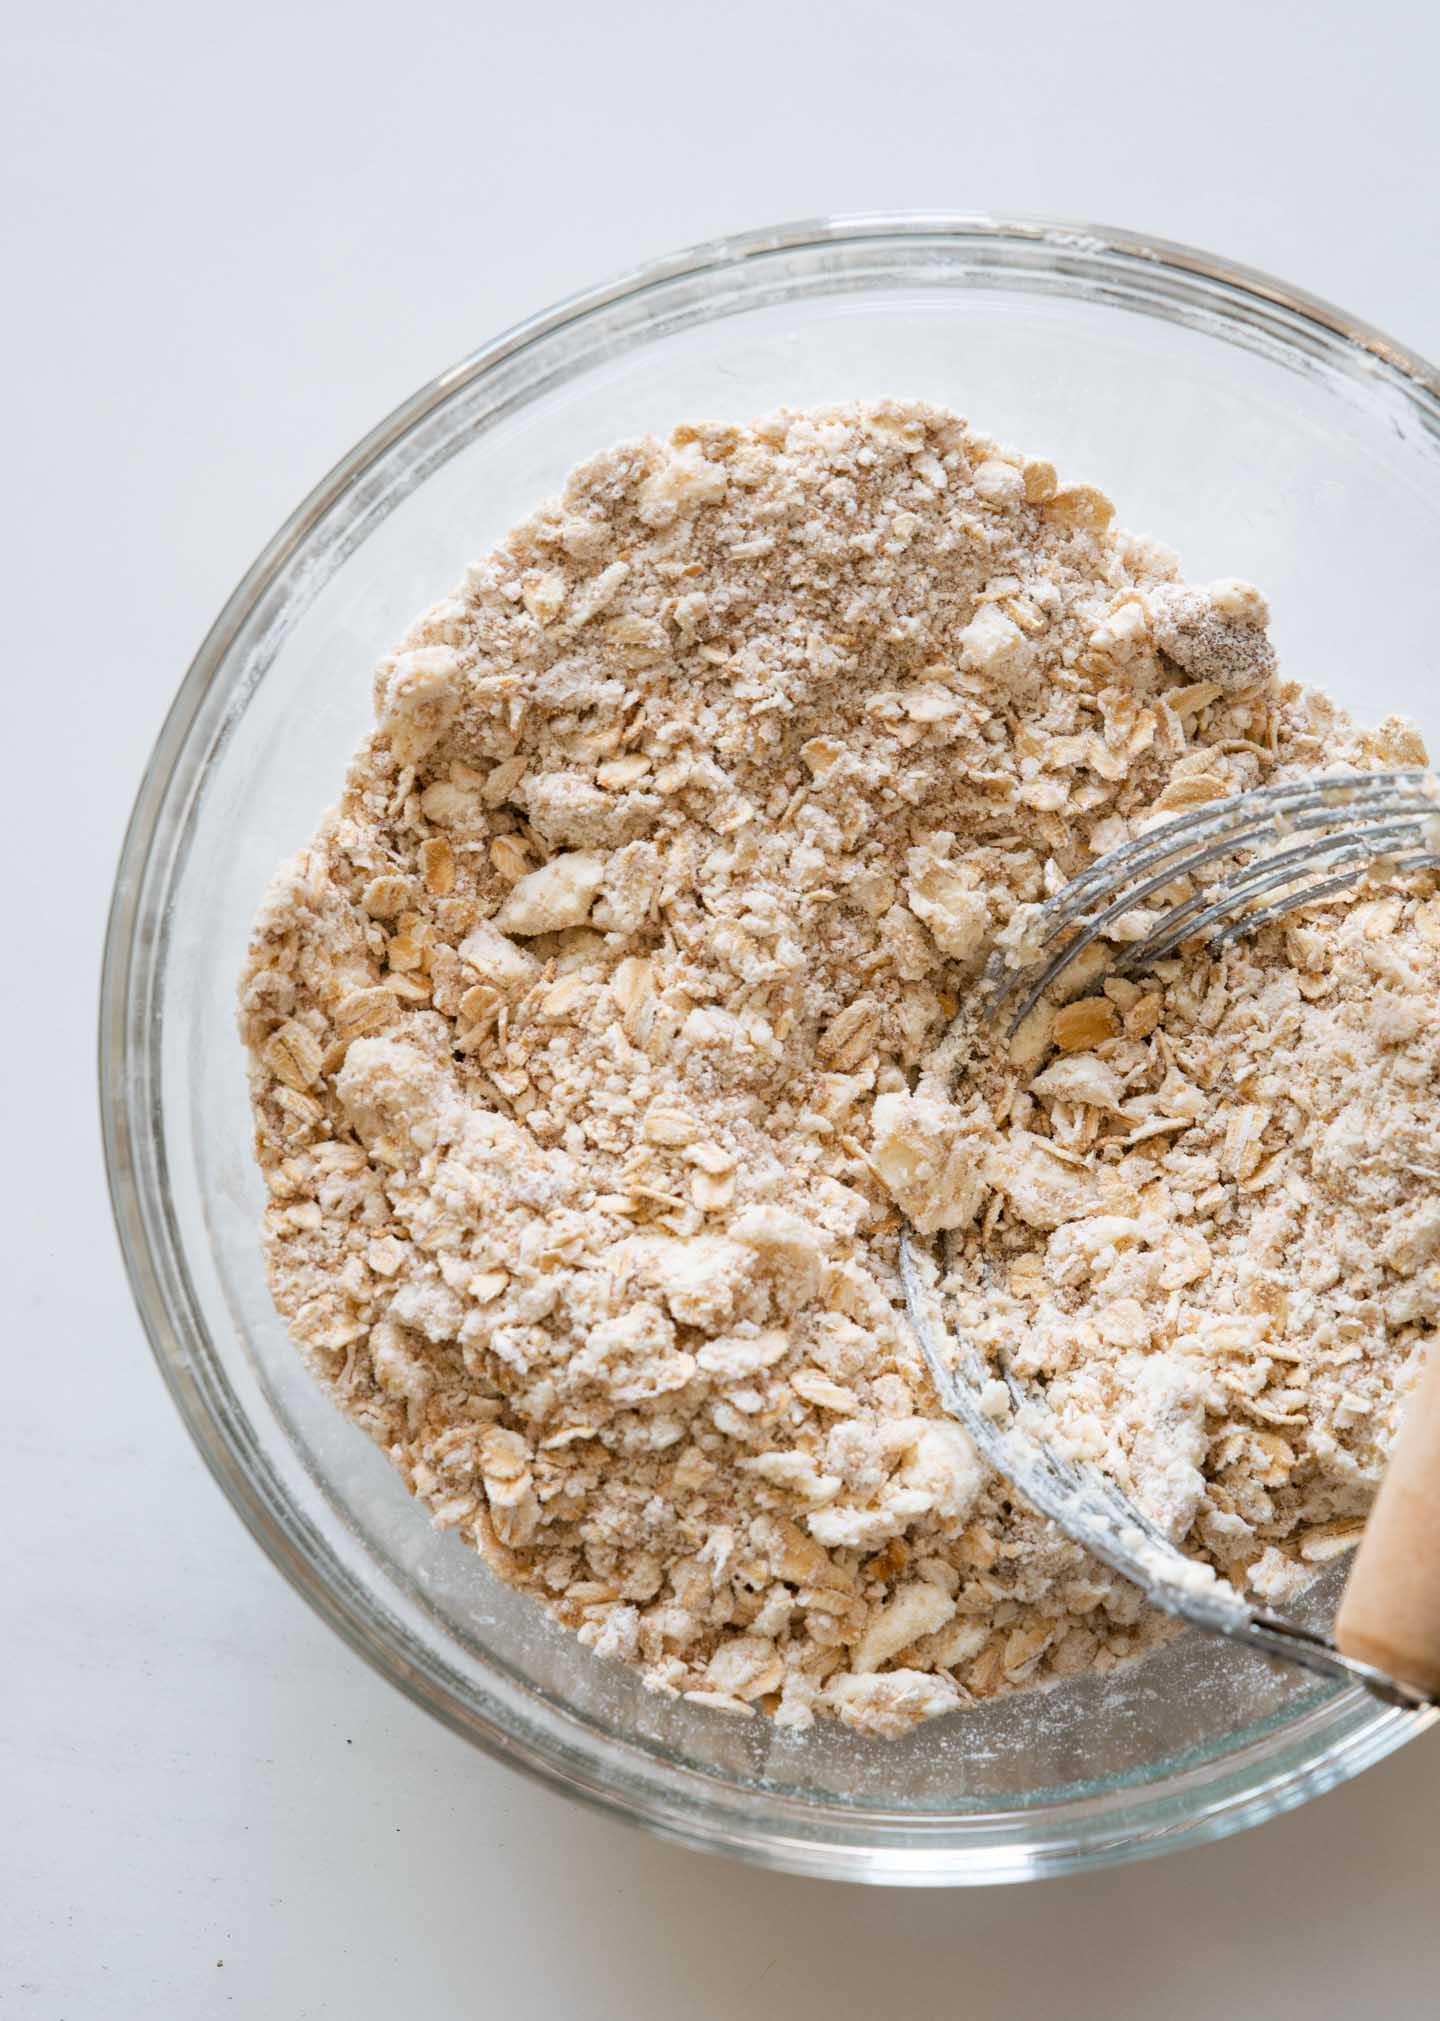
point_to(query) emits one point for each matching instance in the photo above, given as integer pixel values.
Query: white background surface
(233, 239)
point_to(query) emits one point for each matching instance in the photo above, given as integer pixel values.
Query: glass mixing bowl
(1263, 434)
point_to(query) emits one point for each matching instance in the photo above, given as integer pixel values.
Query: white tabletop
(234, 239)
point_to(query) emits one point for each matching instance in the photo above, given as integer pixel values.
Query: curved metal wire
(1353, 809)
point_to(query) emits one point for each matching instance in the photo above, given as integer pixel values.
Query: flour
(589, 1042)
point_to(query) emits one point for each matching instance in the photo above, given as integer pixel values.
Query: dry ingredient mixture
(1214, 1225)
(589, 1041)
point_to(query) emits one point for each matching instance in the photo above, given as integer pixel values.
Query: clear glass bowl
(1263, 434)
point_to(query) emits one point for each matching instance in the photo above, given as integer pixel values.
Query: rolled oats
(589, 1049)
(1231, 1319)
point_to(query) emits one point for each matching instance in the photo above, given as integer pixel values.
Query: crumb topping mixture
(589, 1044)
(1213, 1228)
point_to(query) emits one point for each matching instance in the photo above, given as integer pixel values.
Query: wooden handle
(1390, 1615)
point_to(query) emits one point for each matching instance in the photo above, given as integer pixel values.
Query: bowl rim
(156, 1273)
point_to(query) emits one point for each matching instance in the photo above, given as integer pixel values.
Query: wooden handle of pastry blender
(1390, 1615)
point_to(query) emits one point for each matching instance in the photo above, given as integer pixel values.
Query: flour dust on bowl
(1261, 433)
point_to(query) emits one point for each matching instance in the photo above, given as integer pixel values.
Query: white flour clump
(588, 1039)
